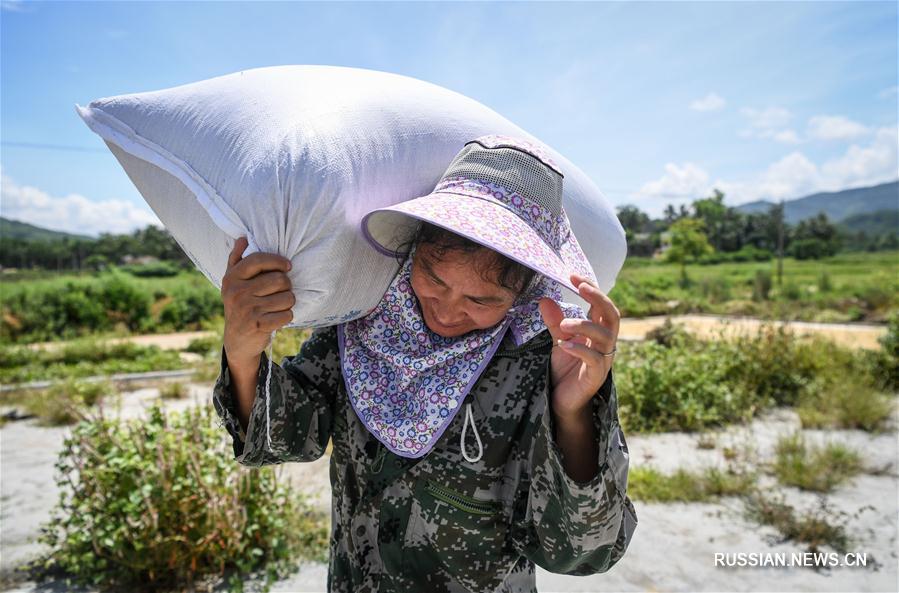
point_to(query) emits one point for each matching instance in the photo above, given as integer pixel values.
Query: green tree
(688, 242)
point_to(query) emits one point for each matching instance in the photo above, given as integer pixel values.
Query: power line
(39, 146)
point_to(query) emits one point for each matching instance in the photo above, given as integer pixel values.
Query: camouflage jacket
(439, 523)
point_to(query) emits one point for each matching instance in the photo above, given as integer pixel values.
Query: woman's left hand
(579, 371)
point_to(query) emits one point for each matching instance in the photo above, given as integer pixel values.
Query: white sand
(673, 548)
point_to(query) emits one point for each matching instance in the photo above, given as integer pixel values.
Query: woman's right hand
(258, 299)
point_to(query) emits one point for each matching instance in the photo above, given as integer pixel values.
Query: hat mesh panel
(513, 169)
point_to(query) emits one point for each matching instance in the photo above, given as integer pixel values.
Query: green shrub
(679, 387)
(649, 484)
(66, 402)
(124, 301)
(205, 345)
(190, 306)
(173, 390)
(820, 469)
(83, 358)
(715, 289)
(157, 502)
(160, 269)
(816, 528)
(884, 363)
(847, 405)
(761, 286)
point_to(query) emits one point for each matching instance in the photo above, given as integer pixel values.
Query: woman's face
(454, 298)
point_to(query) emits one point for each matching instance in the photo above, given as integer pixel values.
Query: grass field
(847, 287)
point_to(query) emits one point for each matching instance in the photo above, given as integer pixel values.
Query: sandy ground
(673, 548)
(854, 335)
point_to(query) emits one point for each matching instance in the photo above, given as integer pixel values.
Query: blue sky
(658, 102)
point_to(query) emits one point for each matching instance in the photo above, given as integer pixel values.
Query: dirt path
(176, 341)
(852, 335)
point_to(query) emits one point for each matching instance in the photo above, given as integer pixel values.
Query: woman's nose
(445, 316)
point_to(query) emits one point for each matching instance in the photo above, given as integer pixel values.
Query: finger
(598, 334)
(552, 315)
(602, 309)
(258, 262)
(268, 283)
(281, 301)
(588, 355)
(274, 320)
(239, 246)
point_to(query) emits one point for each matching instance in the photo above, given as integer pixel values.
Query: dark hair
(496, 267)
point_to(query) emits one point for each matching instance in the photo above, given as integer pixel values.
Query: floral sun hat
(502, 192)
(407, 383)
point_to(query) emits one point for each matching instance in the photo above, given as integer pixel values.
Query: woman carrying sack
(473, 414)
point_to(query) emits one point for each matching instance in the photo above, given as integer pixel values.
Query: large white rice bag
(294, 156)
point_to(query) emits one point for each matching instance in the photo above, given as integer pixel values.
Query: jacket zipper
(522, 350)
(462, 502)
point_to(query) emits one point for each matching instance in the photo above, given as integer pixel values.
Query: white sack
(294, 156)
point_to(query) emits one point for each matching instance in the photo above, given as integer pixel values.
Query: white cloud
(768, 123)
(835, 127)
(890, 91)
(876, 163)
(684, 180)
(766, 119)
(14, 6)
(787, 136)
(711, 102)
(792, 176)
(73, 213)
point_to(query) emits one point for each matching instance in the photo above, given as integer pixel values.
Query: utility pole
(780, 243)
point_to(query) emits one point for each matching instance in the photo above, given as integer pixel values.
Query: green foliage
(649, 484)
(816, 528)
(863, 286)
(820, 469)
(688, 242)
(83, 358)
(173, 390)
(155, 503)
(682, 387)
(67, 401)
(761, 287)
(674, 382)
(205, 345)
(848, 405)
(190, 306)
(161, 269)
(69, 307)
(885, 362)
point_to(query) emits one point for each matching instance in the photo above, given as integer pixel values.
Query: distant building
(664, 245)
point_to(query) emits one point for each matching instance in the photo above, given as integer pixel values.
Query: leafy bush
(83, 358)
(761, 285)
(155, 503)
(66, 402)
(174, 390)
(681, 387)
(160, 269)
(191, 305)
(72, 307)
(677, 382)
(820, 469)
(205, 345)
(884, 363)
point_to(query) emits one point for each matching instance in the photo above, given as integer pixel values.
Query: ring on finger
(612, 353)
